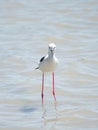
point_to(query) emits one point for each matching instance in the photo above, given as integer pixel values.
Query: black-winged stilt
(48, 63)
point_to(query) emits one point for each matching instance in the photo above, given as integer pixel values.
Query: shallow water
(27, 27)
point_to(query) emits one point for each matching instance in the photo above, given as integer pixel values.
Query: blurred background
(26, 29)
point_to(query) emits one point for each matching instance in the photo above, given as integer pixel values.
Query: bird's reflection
(45, 113)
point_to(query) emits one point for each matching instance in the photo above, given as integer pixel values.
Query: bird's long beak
(52, 51)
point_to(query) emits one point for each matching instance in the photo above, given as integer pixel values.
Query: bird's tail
(37, 68)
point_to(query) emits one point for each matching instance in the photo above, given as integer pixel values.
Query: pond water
(26, 29)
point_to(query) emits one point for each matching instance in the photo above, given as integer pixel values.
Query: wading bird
(48, 63)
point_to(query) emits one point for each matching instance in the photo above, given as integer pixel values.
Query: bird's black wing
(42, 58)
(41, 61)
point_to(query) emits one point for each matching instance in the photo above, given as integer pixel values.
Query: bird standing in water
(48, 63)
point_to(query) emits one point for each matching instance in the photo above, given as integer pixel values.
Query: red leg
(42, 94)
(53, 91)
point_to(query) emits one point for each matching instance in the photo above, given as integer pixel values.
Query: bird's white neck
(51, 54)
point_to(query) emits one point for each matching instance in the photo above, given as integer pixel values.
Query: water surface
(26, 29)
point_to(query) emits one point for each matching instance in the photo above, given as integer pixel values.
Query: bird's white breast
(48, 65)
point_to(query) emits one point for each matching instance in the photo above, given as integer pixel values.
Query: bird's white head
(51, 49)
